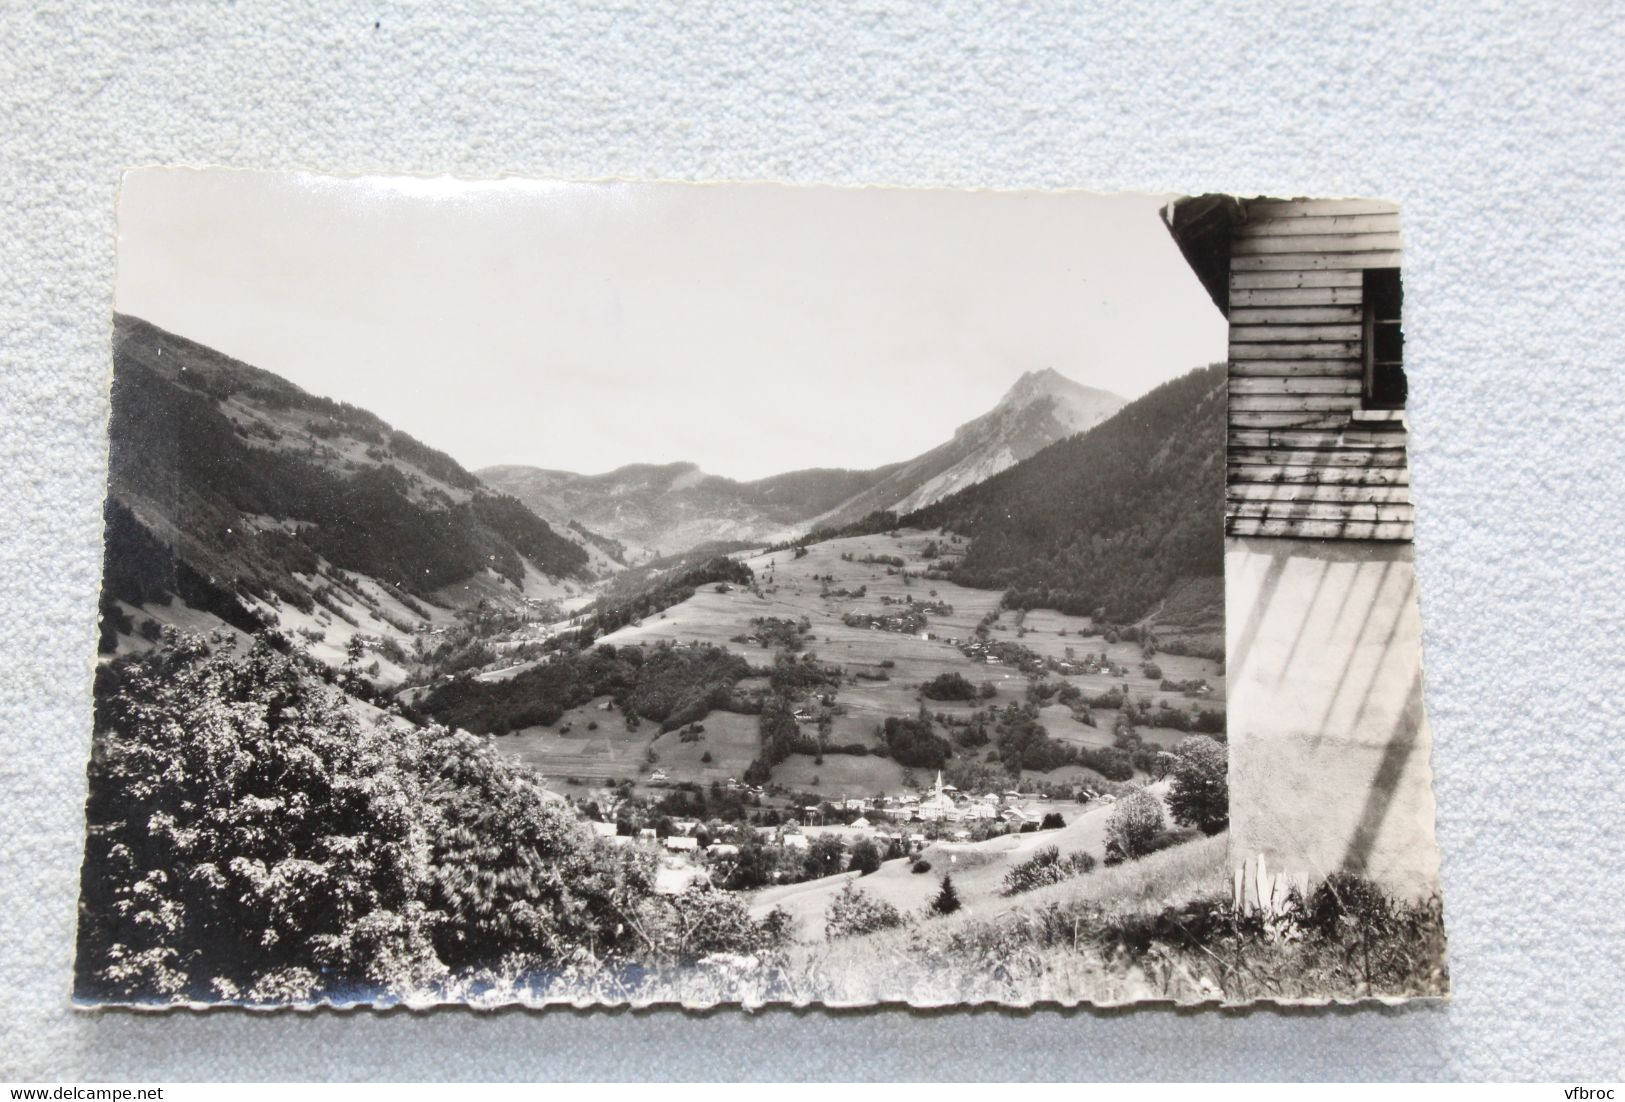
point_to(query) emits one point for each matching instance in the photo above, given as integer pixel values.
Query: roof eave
(1201, 226)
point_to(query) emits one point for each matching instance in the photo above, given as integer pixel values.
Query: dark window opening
(1384, 341)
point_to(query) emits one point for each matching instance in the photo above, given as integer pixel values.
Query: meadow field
(978, 870)
(885, 669)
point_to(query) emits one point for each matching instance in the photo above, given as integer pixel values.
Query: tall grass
(1158, 928)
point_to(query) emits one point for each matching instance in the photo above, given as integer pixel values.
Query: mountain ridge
(1106, 522)
(231, 486)
(665, 507)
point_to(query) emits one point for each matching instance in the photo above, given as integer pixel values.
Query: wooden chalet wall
(1305, 459)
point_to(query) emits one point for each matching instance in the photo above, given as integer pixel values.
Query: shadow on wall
(1329, 742)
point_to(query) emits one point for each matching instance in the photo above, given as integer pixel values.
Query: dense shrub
(1134, 823)
(1109, 762)
(912, 742)
(704, 920)
(1047, 866)
(946, 901)
(1168, 839)
(854, 912)
(250, 837)
(920, 866)
(668, 684)
(865, 857)
(1200, 794)
(949, 686)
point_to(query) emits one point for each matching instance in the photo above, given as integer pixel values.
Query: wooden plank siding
(1314, 261)
(1287, 369)
(1326, 244)
(1276, 419)
(1282, 331)
(1293, 294)
(1263, 281)
(1322, 225)
(1259, 210)
(1314, 475)
(1295, 314)
(1301, 461)
(1297, 384)
(1319, 529)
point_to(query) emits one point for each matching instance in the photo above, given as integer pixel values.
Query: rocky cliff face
(1041, 408)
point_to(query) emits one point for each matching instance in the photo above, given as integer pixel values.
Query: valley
(881, 671)
(949, 655)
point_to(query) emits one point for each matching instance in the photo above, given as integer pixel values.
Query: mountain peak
(1045, 382)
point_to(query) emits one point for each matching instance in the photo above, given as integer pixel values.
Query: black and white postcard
(525, 592)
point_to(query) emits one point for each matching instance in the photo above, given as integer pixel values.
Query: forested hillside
(1110, 518)
(227, 478)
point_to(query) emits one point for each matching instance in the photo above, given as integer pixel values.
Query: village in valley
(1096, 710)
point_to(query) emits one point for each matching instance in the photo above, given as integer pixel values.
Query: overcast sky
(752, 329)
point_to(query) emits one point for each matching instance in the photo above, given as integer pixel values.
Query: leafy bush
(1052, 821)
(1109, 762)
(680, 929)
(912, 742)
(854, 912)
(921, 866)
(250, 837)
(1200, 794)
(1046, 867)
(865, 857)
(1168, 839)
(949, 686)
(1135, 821)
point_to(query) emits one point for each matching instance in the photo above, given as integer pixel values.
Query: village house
(722, 849)
(603, 830)
(677, 843)
(1328, 767)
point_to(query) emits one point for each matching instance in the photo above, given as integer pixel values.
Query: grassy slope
(978, 870)
(926, 966)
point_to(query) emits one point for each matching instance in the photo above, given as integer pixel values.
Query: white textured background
(1499, 131)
